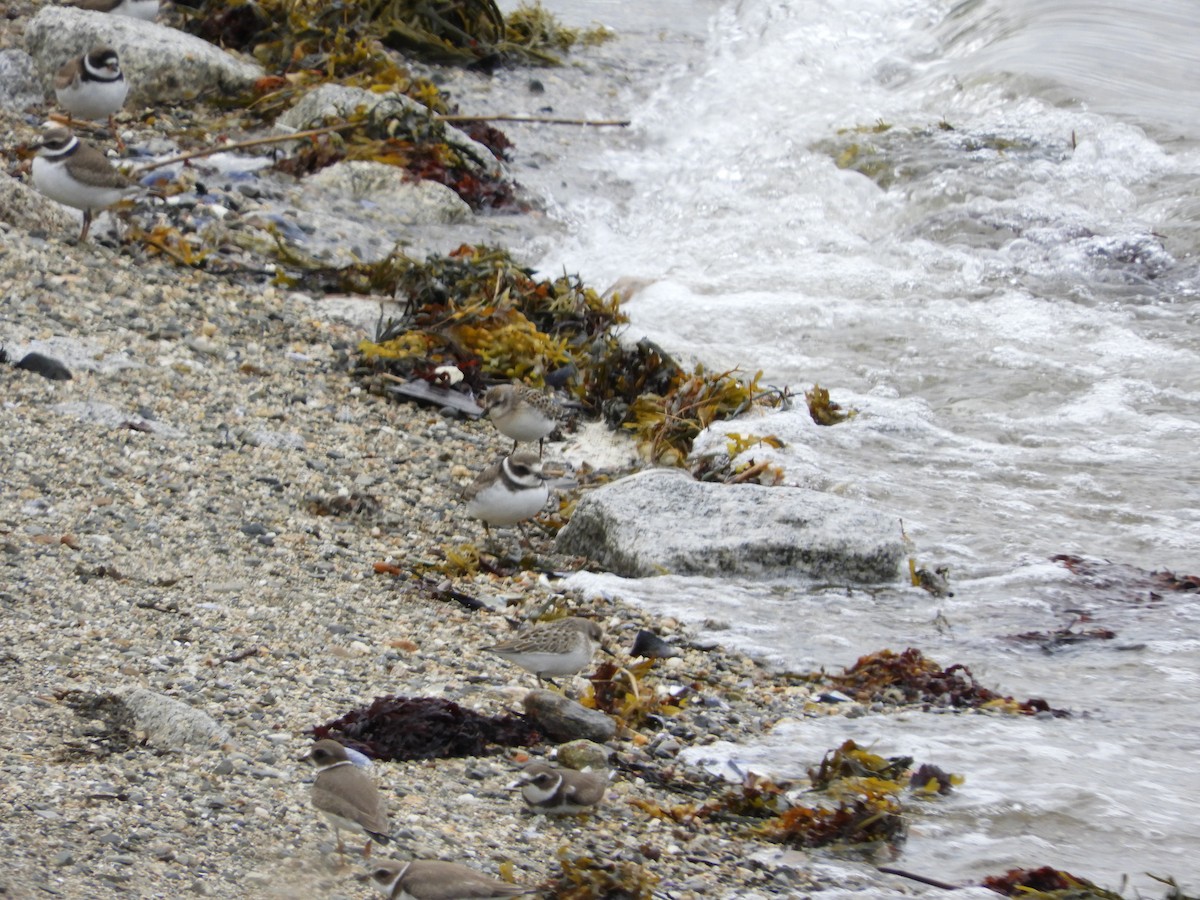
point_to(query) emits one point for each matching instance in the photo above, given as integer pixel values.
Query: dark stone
(45, 366)
(565, 720)
(649, 645)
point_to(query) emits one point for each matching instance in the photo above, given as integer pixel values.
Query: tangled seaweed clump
(363, 42)
(478, 310)
(911, 678)
(858, 803)
(624, 694)
(1046, 883)
(866, 811)
(400, 728)
(585, 878)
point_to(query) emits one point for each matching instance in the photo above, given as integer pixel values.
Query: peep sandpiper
(521, 413)
(77, 174)
(347, 795)
(561, 647)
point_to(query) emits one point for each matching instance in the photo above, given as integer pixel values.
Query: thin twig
(240, 655)
(542, 120)
(346, 126)
(921, 878)
(240, 145)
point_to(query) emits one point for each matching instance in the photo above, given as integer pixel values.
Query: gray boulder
(385, 196)
(133, 714)
(161, 64)
(19, 85)
(664, 522)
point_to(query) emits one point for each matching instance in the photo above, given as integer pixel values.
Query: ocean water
(977, 224)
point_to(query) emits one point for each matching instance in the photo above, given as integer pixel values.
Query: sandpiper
(429, 879)
(92, 86)
(561, 647)
(508, 492)
(556, 792)
(77, 174)
(147, 10)
(521, 413)
(347, 795)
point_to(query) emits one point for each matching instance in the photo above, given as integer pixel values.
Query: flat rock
(562, 719)
(582, 754)
(161, 64)
(171, 724)
(387, 192)
(664, 522)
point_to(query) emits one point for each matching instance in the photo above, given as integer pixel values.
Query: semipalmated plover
(521, 413)
(557, 792)
(147, 10)
(77, 174)
(92, 86)
(508, 492)
(430, 879)
(561, 647)
(346, 795)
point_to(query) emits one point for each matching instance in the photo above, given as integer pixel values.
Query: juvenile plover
(556, 792)
(508, 492)
(561, 647)
(429, 879)
(92, 86)
(76, 174)
(347, 795)
(521, 413)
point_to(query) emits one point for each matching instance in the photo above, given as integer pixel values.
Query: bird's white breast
(93, 99)
(497, 505)
(525, 424)
(53, 180)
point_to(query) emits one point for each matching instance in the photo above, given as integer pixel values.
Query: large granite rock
(386, 196)
(664, 522)
(161, 64)
(19, 85)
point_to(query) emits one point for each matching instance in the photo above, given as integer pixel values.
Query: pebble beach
(163, 526)
(212, 512)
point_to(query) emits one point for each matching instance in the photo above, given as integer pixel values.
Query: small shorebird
(77, 174)
(92, 86)
(508, 492)
(521, 413)
(561, 647)
(429, 879)
(146, 10)
(346, 795)
(557, 792)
